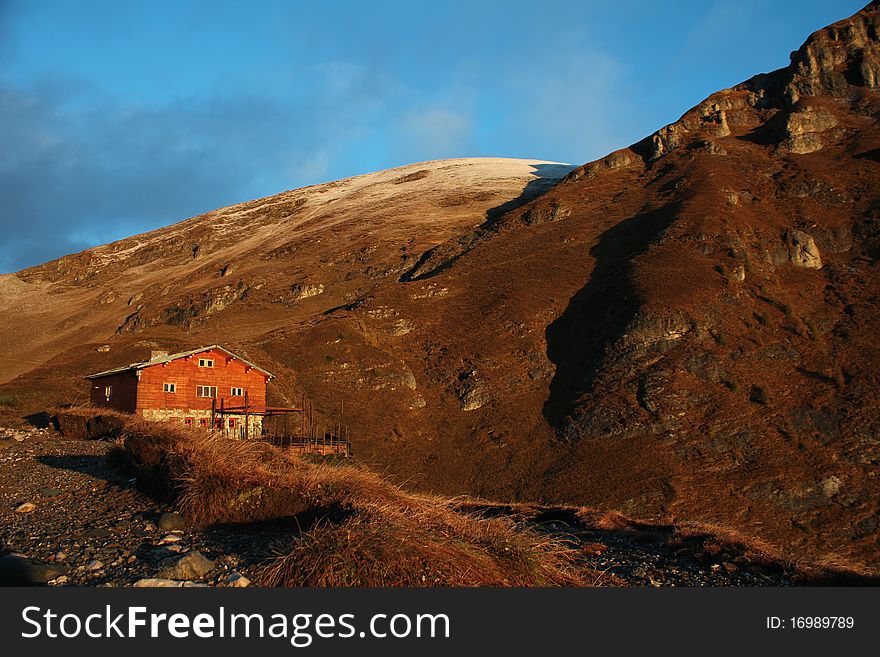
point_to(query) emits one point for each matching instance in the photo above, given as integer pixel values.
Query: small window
(206, 391)
(218, 423)
(232, 423)
(107, 391)
(187, 421)
(237, 392)
(206, 362)
(169, 387)
(203, 422)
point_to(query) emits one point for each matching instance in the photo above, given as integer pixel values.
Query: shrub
(357, 528)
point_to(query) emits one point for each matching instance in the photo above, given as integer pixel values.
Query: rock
(190, 566)
(540, 214)
(802, 249)
(401, 327)
(18, 570)
(50, 492)
(171, 521)
(804, 129)
(94, 564)
(58, 581)
(25, 507)
(104, 348)
(169, 538)
(617, 160)
(97, 532)
(831, 486)
(304, 291)
(160, 582)
(408, 379)
(59, 556)
(473, 393)
(238, 580)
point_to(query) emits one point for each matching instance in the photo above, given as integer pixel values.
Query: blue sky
(119, 117)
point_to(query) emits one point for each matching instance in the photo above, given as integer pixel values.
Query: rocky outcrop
(622, 159)
(804, 129)
(802, 250)
(306, 290)
(473, 393)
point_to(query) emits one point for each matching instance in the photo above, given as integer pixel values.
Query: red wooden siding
(123, 395)
(185, 373)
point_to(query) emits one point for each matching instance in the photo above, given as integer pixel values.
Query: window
(218, 423)
(107, 391)
(187, 421)
(206, 362)
(237, 392)
(232, 423)
(169, 387)
(206, 391)
(203, 422)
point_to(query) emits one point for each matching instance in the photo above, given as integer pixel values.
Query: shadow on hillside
(598, 314)
(873, 155)
(546, 176)
(769, 133)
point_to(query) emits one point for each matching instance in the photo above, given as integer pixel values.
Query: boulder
(18, 570)
(802, 250)
(171, 521)
(237, 580)
(187, 567)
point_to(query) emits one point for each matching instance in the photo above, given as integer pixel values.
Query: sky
(121, 117)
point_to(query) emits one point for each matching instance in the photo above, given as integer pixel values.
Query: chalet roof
(169, 358)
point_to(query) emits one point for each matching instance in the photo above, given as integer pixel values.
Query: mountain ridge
(683, 329)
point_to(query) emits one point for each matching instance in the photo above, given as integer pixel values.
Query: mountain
(685, 329)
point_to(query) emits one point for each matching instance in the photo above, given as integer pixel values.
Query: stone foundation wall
(202, 418)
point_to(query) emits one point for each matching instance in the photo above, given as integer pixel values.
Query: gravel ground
(90, 525)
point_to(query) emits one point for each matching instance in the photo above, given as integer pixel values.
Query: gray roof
(166, 359)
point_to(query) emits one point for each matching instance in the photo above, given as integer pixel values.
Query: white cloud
(431, 133)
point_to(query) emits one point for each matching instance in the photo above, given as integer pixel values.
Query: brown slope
(716, 356)
(651, 335)
(346, 236)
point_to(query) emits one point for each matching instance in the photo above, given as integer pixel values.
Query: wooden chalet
(209, 387)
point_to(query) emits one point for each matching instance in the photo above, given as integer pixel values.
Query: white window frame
(211, 390)
(108, 391)
(169, 388)
(206, 362)
(236, 392)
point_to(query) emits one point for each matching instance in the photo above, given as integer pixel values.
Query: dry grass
(356, 528)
